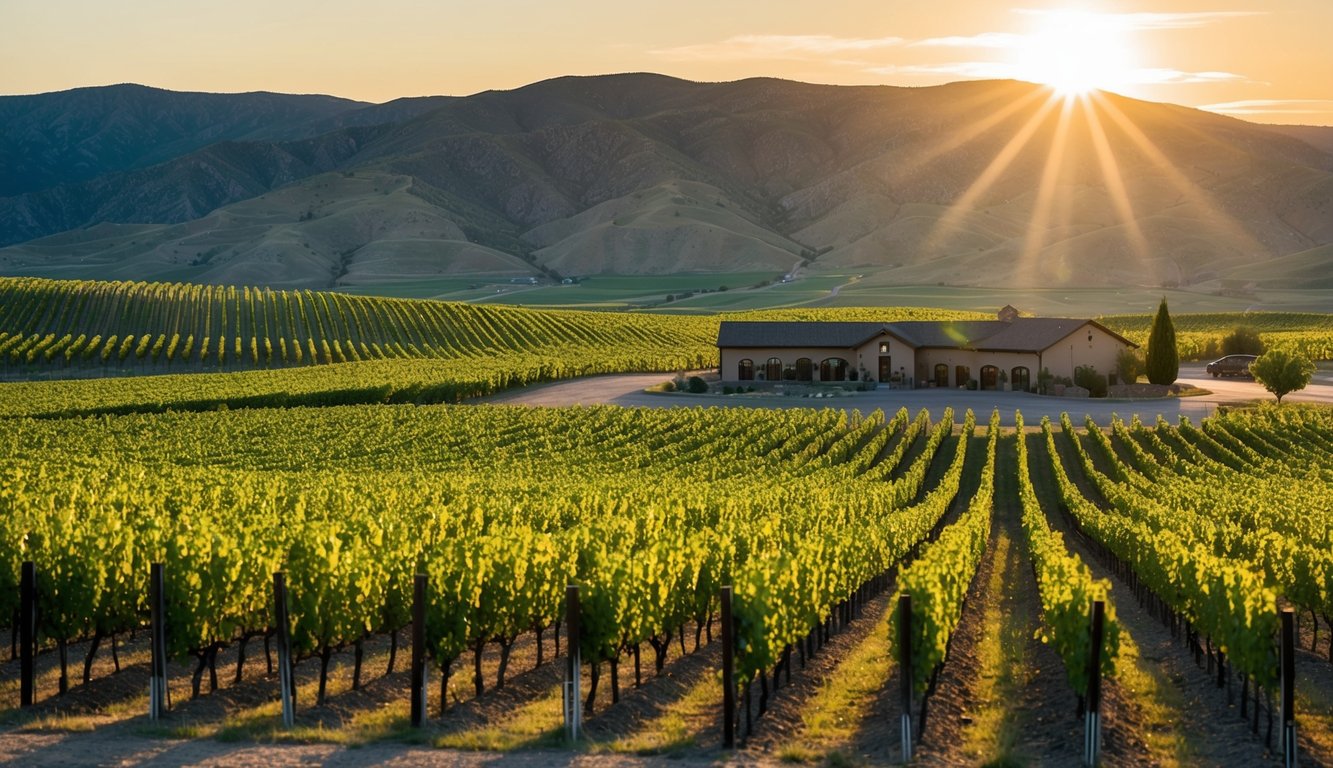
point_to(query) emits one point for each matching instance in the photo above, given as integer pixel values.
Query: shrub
(697, 385)
(972, 385)
(1128, 365)
(1044, 381)
(728, 390)
(1242, 341)
(1086, 376)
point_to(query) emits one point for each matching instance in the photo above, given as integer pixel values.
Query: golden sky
(1268, 61)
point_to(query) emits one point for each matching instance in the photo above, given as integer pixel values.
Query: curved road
(627, 390)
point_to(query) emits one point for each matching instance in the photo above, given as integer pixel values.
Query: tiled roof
(735, 333)
(1024, 334)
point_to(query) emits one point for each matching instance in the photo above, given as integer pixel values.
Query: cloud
(1148, 20)
(981, 70)
(1167, 76)
(742, 47)
(982, 40)
(1272, 107)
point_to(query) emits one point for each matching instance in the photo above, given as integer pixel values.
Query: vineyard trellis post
(1287, 657)
(418, 650)
(573, 703)
(157, 681)
(728, 672)
(27, 634)
(905, 672)
(285, 677)
(1092, 722)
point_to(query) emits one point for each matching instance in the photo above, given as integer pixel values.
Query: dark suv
(1231, 365)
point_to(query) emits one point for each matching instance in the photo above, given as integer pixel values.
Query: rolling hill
(976, 183)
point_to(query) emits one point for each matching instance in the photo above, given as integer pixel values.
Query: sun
(1075, 52)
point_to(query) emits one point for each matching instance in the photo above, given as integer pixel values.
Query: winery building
(918, 353)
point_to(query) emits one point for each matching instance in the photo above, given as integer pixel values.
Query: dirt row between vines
(1014, 707)
(1209, 732)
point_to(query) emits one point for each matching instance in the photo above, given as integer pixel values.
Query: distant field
(841, 289)
(622, 292)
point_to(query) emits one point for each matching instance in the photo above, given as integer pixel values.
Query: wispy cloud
(981, 70)
(982, 40)
(1147, 20)
(1165, 76)
(1272, 107)
(798, 47)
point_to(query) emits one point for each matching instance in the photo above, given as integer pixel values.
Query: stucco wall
(1075, 349)
(918, 365)
(866, 356)
(927, 359)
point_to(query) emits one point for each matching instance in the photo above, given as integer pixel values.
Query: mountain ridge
(738, 176)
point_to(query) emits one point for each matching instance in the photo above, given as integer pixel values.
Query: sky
(1260, 60)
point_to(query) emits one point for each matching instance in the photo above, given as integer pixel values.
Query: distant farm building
(918, 353)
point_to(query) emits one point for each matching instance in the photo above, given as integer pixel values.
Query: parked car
(1231, 365)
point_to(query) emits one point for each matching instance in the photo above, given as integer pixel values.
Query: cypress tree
(1163, 359)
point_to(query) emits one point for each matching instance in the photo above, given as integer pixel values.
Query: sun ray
(992, 173)
(1039, 221)
(1187, 188)
(972, 132)
(1115, 182)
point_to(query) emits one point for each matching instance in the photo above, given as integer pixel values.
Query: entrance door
(941, 375)
(961, 374)
(990, 376)
(885, 368)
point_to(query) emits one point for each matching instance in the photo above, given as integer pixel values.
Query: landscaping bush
(697, 385)
(1243, 341)
(1129, 365)
(1086, 376)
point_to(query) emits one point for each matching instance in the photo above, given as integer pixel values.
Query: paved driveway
(627, 390)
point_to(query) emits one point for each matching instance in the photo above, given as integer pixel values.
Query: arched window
(833, 369)
(941, 375)
(990, 376)
(961, 375)
(1020, 379)
(745, 371)
(773, 369)
(805, 369)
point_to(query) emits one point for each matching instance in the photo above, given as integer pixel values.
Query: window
(1020, 379)
(990, 377)
(833, 369)
(805, 369)
(884, 347)
(941, 375)
(745, 371)
(773, 369)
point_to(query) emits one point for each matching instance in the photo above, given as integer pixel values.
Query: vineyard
(70, 329)
(75, 327)
(819, 523)
(1199, 336)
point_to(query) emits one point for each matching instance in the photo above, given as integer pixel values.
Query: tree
(1282, 372)
(1242, 341)
(1163, 359)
